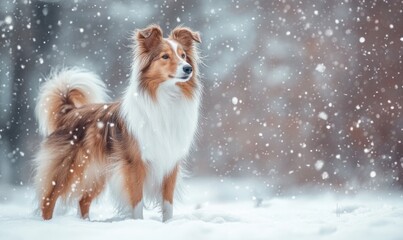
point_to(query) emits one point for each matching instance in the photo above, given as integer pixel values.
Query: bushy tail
(64, 90)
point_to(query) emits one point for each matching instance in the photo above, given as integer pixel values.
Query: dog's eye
(183, 55)
(165, 56)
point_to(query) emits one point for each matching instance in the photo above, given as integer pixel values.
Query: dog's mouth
(186, 77)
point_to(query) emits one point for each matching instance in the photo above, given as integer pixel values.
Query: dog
(137, 144)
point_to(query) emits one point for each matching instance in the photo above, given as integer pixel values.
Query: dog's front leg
(168, 189)
(138, 210)
(134, 176)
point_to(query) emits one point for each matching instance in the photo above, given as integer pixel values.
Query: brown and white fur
(136, 144)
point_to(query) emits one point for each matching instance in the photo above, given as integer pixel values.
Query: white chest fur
(164, 128)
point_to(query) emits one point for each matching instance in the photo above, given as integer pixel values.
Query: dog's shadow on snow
(193, 216)
(199, 213)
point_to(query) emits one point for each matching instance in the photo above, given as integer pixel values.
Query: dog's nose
(187, 69)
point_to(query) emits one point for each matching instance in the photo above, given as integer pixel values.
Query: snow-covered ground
(216, 209)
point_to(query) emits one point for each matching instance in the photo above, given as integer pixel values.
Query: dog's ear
(185, 36)
(149, 37)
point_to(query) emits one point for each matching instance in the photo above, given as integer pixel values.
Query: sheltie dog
(136, 144)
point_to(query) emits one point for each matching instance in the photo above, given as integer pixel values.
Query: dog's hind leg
(49, 201)
(88, 196)
(50, 197)
(54, 178)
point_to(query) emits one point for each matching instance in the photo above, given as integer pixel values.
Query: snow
(373, 174)
(295, 92)
(323, 115)
(8, 19)
(320, 68)
(235, 100)
(100, 125)
(229, 210)
(319, 164)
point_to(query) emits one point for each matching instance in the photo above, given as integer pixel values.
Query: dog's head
(169, 61)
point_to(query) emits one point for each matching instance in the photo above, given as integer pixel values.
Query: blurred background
(296, 93)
